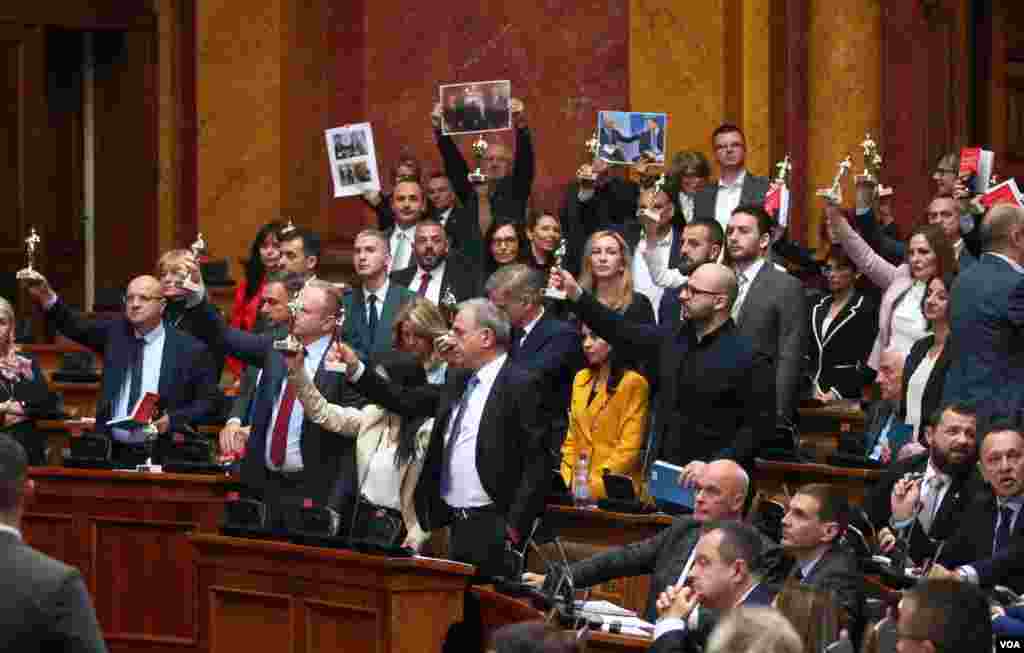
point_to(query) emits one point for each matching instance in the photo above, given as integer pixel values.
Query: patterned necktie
(453, 434)
(424, 282)
(741, 281)
(930, 502)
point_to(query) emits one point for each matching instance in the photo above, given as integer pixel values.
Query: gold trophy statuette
(479, 150)
(28, 273)
(834, 194)
(290, 343)
(448, 305)
(288, 228)
(784, 167)
(872, 161)
(330, 364)
(554, 293)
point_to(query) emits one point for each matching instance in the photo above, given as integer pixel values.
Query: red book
(976, 163)
(1004, 193)
(142, 415)
(776, 203)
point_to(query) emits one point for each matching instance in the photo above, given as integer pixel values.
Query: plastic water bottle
(581, 481)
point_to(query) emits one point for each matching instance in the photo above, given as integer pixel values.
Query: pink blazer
(892, 279)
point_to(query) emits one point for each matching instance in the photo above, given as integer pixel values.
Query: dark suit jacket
(753, 192)
(182, 318)
(836, 572)
(187, 387)
(464, 236)
(839, 356)
(242, 406)
(512, 456)
(46, 605)
(774, 318)
(875, 418)
(950, 514)
(356, 331)
(972, 544)
(669, 307)
(988, 344)
(460, 275)
(613, 206)
(931, 400)
(511, 194)
(553, 353)
(325, 456)
(685, 641)
(724, 409)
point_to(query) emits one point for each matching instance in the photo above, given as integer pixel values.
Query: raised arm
(338, 419)
(210, 327)
(455, 166)
(889, 247)
(874, 267)
(524, 168)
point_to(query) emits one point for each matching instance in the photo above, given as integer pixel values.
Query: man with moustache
(408, 206)
(436, 268)
(300, 251)
(924, 511)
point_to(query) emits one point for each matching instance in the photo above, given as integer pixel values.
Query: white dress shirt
(908, 322)
(152, 361)
(466, 490)
(529, 327)
(643, 266)
(401, 247)
(434, 287)
(728, 198)
(686, 204)
(293, 451)
(378, 305)
(4, 528)
(443, 216)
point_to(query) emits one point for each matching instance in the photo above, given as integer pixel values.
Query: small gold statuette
(593, 146)
(872, 161)
(479, 150)
(834, 194)
(290, 343)
(554, 293)
(184, 275)
(331, 364)
(198, 246)
(783, 168)
(288, 228)
(28, 273)
(448, 305)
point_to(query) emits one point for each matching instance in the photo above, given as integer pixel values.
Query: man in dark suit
(508, 185)
(725, 575)
(370, 309)
(652, 141)
(460, 223)
(273, 319)
(541, 342)
(286, 455)
(925, 511)
(488, 464)
(716, 396)
(942, 615)
(818, 515)
(735, 185)
(408, 205)
(771, 308)
(141, 354)
(436, 269)
(669, 555)
(45, 605)
(987, 336)
(596, 204)
(988, 546)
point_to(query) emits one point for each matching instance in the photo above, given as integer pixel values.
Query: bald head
(723, 485)
(718, 278)
(144, 303)
(1001, 230)
(890, 374)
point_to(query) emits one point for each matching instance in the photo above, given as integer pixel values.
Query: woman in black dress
(24, 393)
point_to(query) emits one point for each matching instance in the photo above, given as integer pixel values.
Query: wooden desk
(257, 595)
(821, 424)
(587, 532)
(48, 356)
(778, 479)
(127, 533)
(79, 398)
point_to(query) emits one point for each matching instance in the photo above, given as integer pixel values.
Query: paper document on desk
(604, 608)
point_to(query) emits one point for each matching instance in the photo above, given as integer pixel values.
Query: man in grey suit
(668, 556)
(987, 331)
(771, 308)
(45, 606)
(735, 185)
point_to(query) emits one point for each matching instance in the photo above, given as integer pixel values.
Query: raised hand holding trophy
(448, 305)
(290, 344)
(479, 150)
(872, 161)
(554, 293)
(184, 275)
(332, 364)
(834, 194)
(28, 273)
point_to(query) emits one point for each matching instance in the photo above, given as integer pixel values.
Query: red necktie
(424, 282)
(279, 440)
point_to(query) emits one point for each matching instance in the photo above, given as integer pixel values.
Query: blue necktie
(371, 321)
(1003, 532)
(449, 447)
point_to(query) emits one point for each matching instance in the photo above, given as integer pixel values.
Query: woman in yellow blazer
(607, 417)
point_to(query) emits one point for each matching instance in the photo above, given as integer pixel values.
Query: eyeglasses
(691, 289)
(832, 269)
(945, 171)
(128, 299)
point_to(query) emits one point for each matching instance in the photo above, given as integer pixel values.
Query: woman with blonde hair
(755, 630)
(23, 390)
(417, 324)
(607, 273)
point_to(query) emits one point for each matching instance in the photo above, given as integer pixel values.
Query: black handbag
(378, 525)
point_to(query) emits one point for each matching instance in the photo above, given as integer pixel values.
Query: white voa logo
(1008, 644)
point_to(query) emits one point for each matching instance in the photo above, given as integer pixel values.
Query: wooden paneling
(238, 615)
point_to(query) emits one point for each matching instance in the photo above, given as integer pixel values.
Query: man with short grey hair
(487, 467)
(541, 342)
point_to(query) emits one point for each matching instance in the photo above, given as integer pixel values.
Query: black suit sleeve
(246, 391)
(759, 423)
(636, 559)
(420, 401)
(528, 501)
(455, 167)
(72, 617)
(675, 641)
(636, 340)
(891, 249)
(209, 326)
(201, 376)
(523, 169)
(35, 394)
(89, 333)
